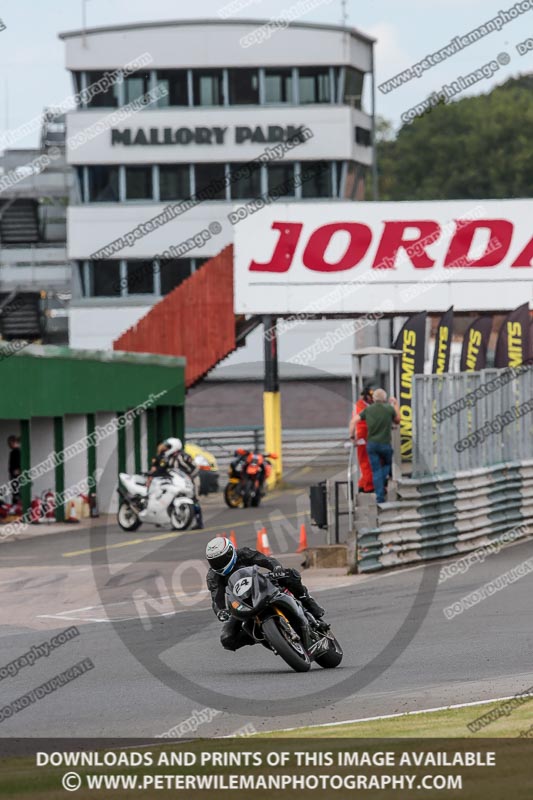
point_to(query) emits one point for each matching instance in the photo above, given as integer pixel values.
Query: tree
(475, 148)
(384, 130)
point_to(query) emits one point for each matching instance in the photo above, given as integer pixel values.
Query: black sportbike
(272, 616)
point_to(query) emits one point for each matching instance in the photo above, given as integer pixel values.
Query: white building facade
(299, 105)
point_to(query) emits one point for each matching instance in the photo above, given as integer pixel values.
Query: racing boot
(198, 515)
(310, 604)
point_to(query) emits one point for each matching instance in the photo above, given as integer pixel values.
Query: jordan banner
(475, 343)
(513, 346)
(443, 344)
(412, 342)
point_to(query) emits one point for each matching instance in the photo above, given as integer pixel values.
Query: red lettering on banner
(524, 258)
(393, 240)
(360, 239)
(289, 234)
(501, 233)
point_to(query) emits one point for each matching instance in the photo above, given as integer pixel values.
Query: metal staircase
(21, 316)
(19, 222)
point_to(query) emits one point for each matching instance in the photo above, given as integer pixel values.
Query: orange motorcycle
(248, 473)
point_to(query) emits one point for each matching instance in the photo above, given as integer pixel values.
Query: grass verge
(452, 723)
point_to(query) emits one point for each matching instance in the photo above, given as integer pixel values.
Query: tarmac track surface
(150, 675)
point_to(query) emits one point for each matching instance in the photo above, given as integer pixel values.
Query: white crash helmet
(172, 446)
(221, 555)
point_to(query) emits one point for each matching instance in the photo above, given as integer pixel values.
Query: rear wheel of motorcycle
(181, 517)
(333, 657)
(256, 500)
(232, 496)
(127, 518)
(292, 653)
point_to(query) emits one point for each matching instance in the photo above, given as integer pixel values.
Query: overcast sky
(32, 74)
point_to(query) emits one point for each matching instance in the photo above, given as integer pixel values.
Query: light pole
(344, 7)
(84, 22)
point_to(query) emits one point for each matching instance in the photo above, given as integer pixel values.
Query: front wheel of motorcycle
(247, 494)
(232, 495)
(181, 516)
(127, 518)
(291, 652)
(333, 656)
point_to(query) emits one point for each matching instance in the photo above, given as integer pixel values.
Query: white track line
(393, 716)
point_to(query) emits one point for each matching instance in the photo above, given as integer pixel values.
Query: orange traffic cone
(303, 539)
(232, 538)
(71, 512)
(263, 543)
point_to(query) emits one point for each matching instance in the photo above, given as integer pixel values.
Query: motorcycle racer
(223, 559)
(170, 454)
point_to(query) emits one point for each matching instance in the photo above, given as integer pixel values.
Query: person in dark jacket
(223, 559)
(160, 464)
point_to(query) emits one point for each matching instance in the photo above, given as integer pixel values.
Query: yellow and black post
(271, 399)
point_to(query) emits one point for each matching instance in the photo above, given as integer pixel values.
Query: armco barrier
(301, 446)
(449, 515)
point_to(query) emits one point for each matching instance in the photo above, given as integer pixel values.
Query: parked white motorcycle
(169, 501)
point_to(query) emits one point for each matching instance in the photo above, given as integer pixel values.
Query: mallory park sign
(214, 135)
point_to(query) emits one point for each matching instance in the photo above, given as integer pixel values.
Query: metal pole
(356, 551)
(354, 388)
(271, 398)
(352, 451)
(375, 190)
(350, 492)
(344, 13)
(6, 109)
(357, 388)
(336, 512)
(328, 511)
(84, 23)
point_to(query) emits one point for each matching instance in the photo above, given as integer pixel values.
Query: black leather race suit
(185, 463)
(160, 466)
(233, 636)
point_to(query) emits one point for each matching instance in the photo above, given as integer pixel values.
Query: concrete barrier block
(328, 556)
